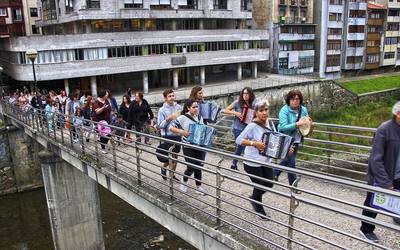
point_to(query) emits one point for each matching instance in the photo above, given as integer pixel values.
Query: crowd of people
(75, 110)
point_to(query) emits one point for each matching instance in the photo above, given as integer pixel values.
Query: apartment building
(340, 36)
(391, 56)
(142, 44)
(31, 14)
(375, 35)
(11, 18)
(293, 36)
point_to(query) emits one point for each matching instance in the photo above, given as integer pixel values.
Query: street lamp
(32, 55)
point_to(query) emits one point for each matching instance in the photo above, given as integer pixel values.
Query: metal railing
(317, 211)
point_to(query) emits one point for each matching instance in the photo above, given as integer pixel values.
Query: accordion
(248, 115)
(202, 135)
(276, 144)
(209, 111)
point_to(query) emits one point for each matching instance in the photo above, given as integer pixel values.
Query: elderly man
(383, 165)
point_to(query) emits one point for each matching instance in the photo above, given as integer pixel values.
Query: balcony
(355, 36)
(335, 24)
(358, 51)
(394, 5)
(335, 8)
(394, 33)
(334, 37)
(357, 21)
(333, 52)
(352, 66)
(374, 36)
(388, 62)
(332, 68)
(376, 22)
(393, 19)
(373, 49)
(54, 71)
(295, 37)
(283, 2)
(358, 6)
(390, 48)
(374, 65)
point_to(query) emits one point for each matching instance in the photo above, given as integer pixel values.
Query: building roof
(373, 5)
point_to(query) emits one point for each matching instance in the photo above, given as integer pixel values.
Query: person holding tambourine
(292, 117)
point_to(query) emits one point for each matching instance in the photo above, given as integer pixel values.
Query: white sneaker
(183, 188)
(76, 140)
(200, 190)
(104, 152)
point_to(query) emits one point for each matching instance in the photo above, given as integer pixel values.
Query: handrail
(226, 203)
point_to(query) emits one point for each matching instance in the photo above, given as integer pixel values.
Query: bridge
(322, 210)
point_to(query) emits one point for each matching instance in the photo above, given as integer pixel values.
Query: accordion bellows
(209, 111)
(202, 135)
(248, 115)
(277, 144)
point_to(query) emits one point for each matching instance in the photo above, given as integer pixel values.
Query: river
(24, 224)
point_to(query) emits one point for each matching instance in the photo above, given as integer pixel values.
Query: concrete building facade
(142, 44)
(31, 14)
(375, 35)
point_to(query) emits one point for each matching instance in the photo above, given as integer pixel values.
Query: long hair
(127, 98)
(193, 93)
(88, 102)
(249, 90)
(187, 105)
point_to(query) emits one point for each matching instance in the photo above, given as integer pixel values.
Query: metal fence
(319, 211)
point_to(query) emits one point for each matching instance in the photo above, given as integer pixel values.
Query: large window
(220, 4)
(3, 12)
(133, 3)
(336, 2)
(69, 6)
(33, 12)
(334, 45)
(93, 4)
(373, 58)
(389, 55)
(391, 40)
(335, 17)
(334, 31)
(353, 44)
(17, 14)
(333, 60)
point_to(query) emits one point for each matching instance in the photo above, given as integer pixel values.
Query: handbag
(162, 152)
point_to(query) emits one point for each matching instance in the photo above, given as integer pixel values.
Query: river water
(24, 224)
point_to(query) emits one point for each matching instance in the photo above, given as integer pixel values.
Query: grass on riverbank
(370, 114)
(373, 84)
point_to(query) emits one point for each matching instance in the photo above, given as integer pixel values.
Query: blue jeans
(239, 148)
(289, 161)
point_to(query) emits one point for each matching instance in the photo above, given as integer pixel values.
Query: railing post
(138, 153)
(293, 205)
(71, 139)
(96, 146)
(81, 139)
(329, 147)
(218, 181)
(171, 174)
(62, 128)
(42, 120)
(114, 153)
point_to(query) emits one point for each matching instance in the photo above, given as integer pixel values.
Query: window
(3, 12)
(33, 12)
(220, 4)
(335, 2)
(353, 44)
(35, 30)
(333, 31)
(333, 60)
(354, 59)
(373, 58)
(356, 29)
(93, 4)
(391, 40)
(335, 17)
(69, 6)
(133, 3)
(187, 4)
(17, 14)
(334, 45)
(283, 63)
(389, 55)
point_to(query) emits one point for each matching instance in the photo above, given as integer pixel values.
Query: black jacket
(124, 111)
(139, 115)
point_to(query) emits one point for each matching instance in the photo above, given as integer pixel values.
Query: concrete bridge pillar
(73, 203)
(175, 79)
(93, 85)
(254, 69)
(239, 71)
(145, 82)
(66, 86)
(202, 75)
